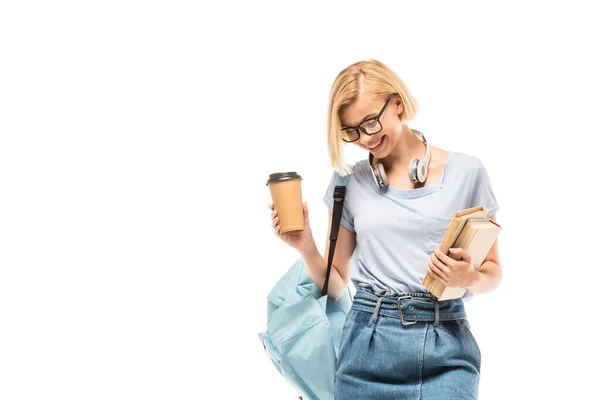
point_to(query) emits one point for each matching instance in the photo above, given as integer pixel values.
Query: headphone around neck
(417, 169)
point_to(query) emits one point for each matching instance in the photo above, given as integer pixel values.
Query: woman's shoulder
(354, 170)
(464, 159)
(361, 165)
(360, 171)
(356, 175)
(466, 166)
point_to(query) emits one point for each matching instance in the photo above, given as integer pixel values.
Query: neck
(408, 145)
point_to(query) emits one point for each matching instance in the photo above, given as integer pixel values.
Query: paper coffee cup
(286, 194)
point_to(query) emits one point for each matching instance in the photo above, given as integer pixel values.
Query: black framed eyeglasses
(369, 126)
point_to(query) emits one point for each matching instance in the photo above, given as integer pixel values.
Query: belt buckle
(400, 311)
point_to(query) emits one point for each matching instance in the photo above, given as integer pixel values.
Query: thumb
(305, 211)
(460, 254)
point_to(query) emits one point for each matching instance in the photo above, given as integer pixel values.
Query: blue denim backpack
(304, 326)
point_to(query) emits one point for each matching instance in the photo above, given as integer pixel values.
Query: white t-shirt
(398, 229)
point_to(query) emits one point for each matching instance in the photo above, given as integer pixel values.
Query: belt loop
(376, 312)
(437, 313)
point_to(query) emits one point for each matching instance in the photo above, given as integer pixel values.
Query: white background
(136, 250)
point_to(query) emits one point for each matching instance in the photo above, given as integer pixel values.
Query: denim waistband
(409, 307)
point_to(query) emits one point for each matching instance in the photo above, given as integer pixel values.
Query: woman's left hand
(457, 271)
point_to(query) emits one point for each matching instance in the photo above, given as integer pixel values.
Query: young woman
(399, 341)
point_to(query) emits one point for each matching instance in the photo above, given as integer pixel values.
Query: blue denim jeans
(406, 346)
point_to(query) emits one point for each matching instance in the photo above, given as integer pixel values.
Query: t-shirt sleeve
(347, 219)
(482, 193)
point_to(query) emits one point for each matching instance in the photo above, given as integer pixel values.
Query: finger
(440, 265)
(275, 222)
(460, 254)
(435, 276)
(271, 206)
(305, 211)
(443, 257)
(273, 213)
(434, 273)
(438, 271)
(277, 229)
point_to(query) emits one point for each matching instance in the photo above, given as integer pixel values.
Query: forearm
(487, 278)
(317, 268)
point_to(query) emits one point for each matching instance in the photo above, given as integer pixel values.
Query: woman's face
(363, 111)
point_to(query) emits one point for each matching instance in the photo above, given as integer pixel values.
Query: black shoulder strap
(338, 204)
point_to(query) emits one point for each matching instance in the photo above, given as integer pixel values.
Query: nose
(366, 139)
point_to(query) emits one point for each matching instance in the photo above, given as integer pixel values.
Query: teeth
(375, 145)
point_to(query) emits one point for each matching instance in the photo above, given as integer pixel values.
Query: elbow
(343, 291)
(337, 297)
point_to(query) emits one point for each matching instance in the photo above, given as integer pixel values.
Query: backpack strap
(339, 195)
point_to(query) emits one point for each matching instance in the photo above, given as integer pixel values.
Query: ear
(399, 105)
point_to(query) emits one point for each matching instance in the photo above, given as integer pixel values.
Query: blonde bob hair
(364, 77)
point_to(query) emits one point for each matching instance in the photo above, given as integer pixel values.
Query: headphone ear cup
(421, 171)
(382, 175)
(412, 170)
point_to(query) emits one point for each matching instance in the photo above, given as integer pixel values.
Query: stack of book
(469, 230)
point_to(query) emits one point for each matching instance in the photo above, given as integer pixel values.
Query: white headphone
(417, 169)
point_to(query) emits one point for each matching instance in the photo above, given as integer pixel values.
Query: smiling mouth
(376, 145)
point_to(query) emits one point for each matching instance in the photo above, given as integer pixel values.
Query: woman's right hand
(298, 240)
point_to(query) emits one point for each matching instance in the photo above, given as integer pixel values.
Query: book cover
(477, 237)
(458, 222)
